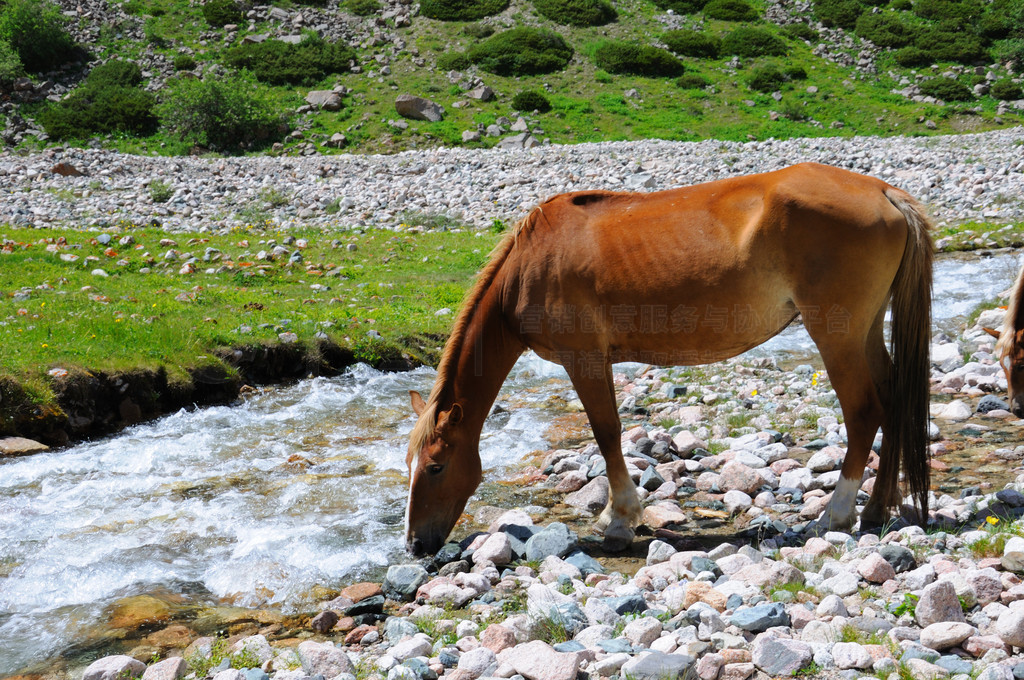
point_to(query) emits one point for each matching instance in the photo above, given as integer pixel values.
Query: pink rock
(946, 634)
(538, 661)
(635, 434)
(977, 645)
(986, 584)
(800, 617)
(784, 465)
(118, 667)
(168, 669)
(736, 671)
(875, 569)
(851, 655)
(939, 602)
(740, 477)
(496, 549)
(709, 665)
(592, 498)
(661, 515)
(574, 480)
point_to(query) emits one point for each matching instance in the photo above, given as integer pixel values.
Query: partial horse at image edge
(1010, 346)
(683, 277)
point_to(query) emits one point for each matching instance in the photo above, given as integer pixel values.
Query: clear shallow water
(259, 503)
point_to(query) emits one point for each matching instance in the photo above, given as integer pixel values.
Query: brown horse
(1010, 347)
(683, 277)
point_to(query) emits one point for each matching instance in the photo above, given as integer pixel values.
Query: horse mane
(1013, 321)
(446, 367)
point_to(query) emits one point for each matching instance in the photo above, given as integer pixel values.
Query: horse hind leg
(885, 494)
(851, 372)
(596, 391)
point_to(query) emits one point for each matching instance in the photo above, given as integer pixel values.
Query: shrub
(108, 100)
(281, 63)
(946, 89)
(800, 31)
(681, 6)
(795, 73)
(1011, 49)
(944, 44)
(10, 64)
(184, 62)
(461, 10)
(478, 31)
(839, 13)
(577, 12)
(225, 113)
(750, 41)
(766, 79)
(693, 43)
(1006, 90)
(522, 51)
(692, 81)
(885, 29)
(730, 10)
(912, 57)
(530, 100)
(35, 31)
(620, 56)
(362, 8)
(902, 5)
(221, 12)
(963, 12)
(453, 61)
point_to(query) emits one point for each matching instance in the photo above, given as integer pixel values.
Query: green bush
(226, 113)
(750, 41)
(944, 44)
(221, 12)
(692, 81)
(912, 57)
(800, 31)
(693, 43)
(766, 79)
(962, 12)
(730, 10)
(901, 5)
(885, 29)
(577, 12)
(108, 100)
(281, 63)
(184, 62)
(839, 13)
(946, 89)
(453, 61)
(362, 8)
(35, 31)
(478, 31)
(1006, 90)
(681, 6)
(461, 10)
(531, 100)
(620, 56)
(1011, 49)
(795, 73)
(10, 64)
(522, 51)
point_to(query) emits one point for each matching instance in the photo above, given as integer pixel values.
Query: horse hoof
(617, 543)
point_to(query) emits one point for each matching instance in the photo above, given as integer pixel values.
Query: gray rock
(760, 617)
(990, 402)
(481, 93)
(323, 659)
(899, 557)
(403, 580)
(328, 100)
(592, 498)
(418, 108)
(780, 656)
(658, 666)
(555, 539)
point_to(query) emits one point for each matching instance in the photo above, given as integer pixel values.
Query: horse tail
(906, 413)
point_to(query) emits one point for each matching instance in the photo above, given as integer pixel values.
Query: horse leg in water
(597, 392)
(852, 371)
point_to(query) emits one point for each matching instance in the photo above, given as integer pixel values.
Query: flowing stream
(258, 504)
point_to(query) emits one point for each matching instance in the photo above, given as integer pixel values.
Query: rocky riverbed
(731, 461)
(960, 178)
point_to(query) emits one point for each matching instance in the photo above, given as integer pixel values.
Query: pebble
(478, 186)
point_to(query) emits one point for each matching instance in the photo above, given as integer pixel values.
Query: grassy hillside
(801, 73)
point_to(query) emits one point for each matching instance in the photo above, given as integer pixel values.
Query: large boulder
(418, 108)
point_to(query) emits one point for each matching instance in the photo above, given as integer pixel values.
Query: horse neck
(481, 363)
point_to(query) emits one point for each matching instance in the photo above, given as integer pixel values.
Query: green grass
(998, 531)
(587, 103)
(58, 314)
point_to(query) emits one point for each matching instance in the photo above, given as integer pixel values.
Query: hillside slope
(798, 77)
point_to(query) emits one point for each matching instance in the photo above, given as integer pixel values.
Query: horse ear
(418, 405)
(452, 416)
(994, 333)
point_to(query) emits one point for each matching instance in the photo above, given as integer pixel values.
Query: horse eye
(435, 469)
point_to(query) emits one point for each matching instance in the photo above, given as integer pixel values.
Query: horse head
(444, 471)
(1011, 357)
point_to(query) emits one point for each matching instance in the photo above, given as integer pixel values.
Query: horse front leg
(596, 391)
